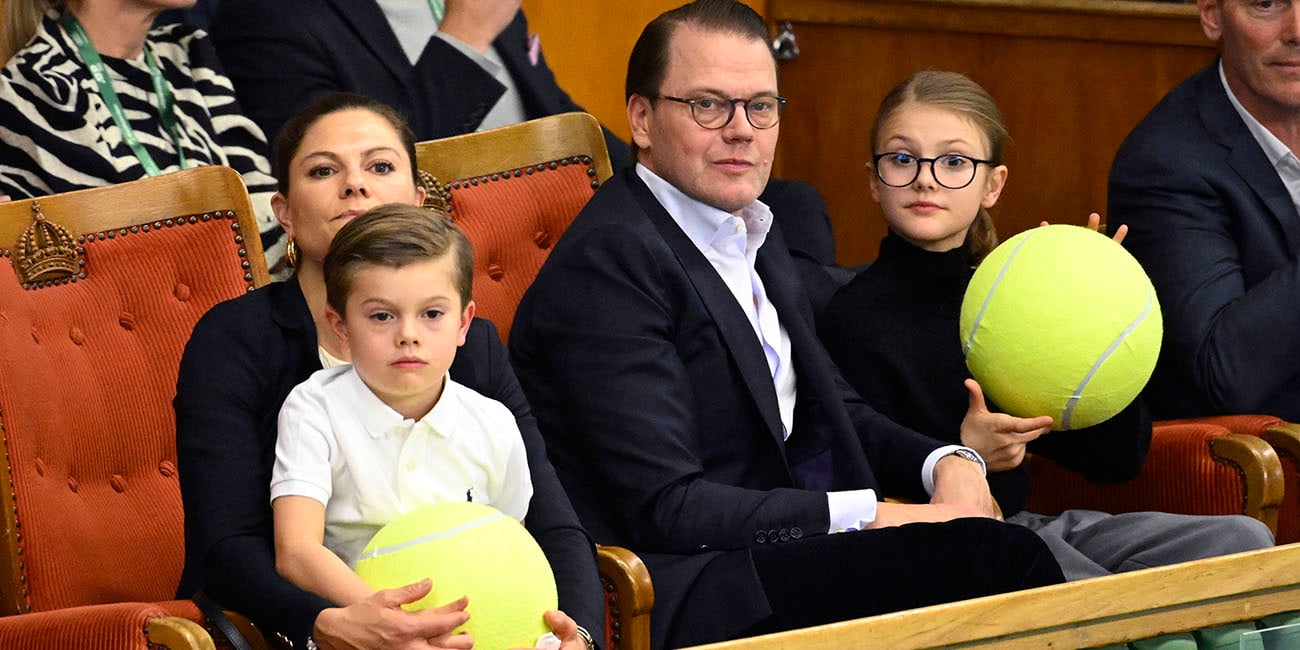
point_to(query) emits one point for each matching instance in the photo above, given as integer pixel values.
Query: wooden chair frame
(515, 146)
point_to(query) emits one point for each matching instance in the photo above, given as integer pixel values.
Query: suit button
(796, 533)
(760, 537)
(785, 534)
(773, 536)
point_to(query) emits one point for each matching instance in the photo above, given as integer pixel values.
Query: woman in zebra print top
(57, 128)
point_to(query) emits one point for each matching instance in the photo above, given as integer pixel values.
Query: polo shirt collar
(379, 418)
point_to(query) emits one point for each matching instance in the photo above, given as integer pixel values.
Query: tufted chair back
(513, 191)
(98, 296)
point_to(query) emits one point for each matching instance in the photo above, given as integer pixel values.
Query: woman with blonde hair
(91, 95)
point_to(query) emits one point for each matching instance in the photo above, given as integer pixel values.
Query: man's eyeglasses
(762, 111)
(953, 171)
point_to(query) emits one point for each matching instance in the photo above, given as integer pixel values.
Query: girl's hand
(1094, 223)
(999, 438)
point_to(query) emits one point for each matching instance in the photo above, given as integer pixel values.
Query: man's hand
(478, 22)
(960, 486)
(380, 623)
(999, 438)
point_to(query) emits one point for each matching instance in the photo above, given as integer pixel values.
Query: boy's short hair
(395, 235)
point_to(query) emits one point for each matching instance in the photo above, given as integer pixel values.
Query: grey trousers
(1088, 543)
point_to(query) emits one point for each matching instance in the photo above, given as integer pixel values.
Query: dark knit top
(893, 330)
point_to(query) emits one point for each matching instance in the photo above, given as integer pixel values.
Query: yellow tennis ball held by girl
(1062, 321)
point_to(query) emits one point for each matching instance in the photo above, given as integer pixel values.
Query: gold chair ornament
(46, 251)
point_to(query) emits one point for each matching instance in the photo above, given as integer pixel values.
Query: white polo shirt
(340, 444)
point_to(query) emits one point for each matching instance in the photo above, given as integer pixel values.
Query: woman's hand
(998, 438)
(565, 630)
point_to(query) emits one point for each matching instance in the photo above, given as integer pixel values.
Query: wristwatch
(968, 455)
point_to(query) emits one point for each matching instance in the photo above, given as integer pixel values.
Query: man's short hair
(648, 64)
(395, 235)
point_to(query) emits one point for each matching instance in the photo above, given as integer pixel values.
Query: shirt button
(410, 467)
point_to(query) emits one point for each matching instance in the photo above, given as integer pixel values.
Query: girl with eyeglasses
(936, 170)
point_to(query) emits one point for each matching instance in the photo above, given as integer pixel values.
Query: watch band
(586, 636)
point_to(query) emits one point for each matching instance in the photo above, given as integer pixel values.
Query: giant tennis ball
(468, 549)
(1061, 321)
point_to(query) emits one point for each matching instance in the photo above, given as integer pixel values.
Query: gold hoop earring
(291, 253)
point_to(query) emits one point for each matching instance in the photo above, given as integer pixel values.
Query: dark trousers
(838, 577)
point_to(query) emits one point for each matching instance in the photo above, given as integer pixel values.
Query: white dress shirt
(1283, 159)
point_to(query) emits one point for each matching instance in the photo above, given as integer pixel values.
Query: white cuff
(927, 469)
(851, 509)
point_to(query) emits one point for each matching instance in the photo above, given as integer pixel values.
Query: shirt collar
(379, 418)
(705, 225)
(1271, 144)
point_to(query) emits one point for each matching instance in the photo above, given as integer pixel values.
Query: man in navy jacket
(668, 351)
(1208, 184)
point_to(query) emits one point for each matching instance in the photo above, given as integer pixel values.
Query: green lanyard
(436, 7)
(100, 72)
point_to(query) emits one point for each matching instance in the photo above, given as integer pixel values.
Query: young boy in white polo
(360, 444)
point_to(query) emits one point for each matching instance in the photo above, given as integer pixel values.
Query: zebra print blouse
(57, 135)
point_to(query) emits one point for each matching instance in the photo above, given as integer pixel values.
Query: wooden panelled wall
(1071, 76)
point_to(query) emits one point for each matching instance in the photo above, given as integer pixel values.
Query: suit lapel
(737, 333)
(1245, 155)
(367, 22)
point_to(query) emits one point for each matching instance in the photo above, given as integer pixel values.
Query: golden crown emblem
(46, 251)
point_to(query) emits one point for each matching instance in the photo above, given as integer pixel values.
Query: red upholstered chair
(513, 191)
(98, 293)
(1284, 437)
(1194, 467)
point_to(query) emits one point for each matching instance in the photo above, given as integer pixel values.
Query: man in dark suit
(668, 351)
(1208, 185)
(475, 66)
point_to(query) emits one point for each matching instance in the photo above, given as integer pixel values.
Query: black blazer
(1214, 227)
(243, 358)
(282, 55)
(660, 414)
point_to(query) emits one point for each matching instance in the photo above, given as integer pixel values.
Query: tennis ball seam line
(1096, 366)
(988, 297)
(431, 537)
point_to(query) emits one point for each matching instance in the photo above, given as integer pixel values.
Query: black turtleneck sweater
(893, 330)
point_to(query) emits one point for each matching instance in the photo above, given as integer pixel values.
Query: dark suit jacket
(1213, 225)
(661, 417)
(242, 360)
(282, 55)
